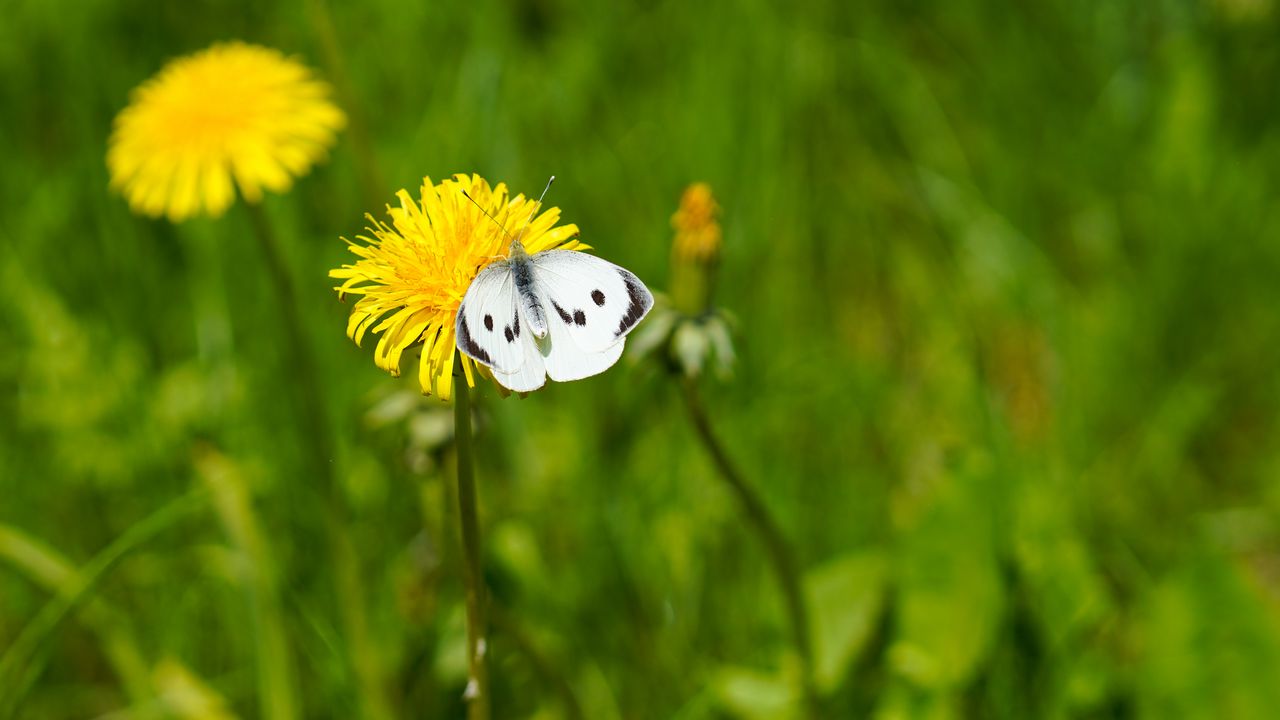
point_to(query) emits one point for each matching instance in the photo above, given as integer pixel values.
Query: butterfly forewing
(595, 300)
(488, 325)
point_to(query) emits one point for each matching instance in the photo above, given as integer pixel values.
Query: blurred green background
(1007, 288)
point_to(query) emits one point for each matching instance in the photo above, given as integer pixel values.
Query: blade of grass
(25, 659)
(47, 568)
(545, 667)
(277, 697)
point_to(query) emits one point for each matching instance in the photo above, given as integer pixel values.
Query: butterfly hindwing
(488, 324)
(566, 361)
(597, 302)
(532, 374)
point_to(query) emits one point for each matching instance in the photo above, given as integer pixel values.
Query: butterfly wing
(596, 301)
(566, 361)
(488, 325)
(591, 305)
(532, 373)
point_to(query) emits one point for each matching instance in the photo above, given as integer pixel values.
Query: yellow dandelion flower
(413, 273)
(231, 114)
(697, 230)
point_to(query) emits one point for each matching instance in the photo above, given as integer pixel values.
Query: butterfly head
(516, 249)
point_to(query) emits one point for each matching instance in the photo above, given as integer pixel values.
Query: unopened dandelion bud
(686, 330)
(695, 253)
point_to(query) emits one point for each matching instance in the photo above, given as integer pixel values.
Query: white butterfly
(560, 313)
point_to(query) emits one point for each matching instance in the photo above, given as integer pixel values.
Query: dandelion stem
(477, 693)
(299, 358)
(316, 424)
(775, 544)
(331, 51)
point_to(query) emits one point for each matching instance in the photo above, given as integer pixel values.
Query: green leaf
(1209, 646)
(755, 695)
(951, 596)
(846, 598)
(1054, 563)
(903, 702)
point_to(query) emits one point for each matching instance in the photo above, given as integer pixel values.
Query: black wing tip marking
(468, 345)
(640, 298)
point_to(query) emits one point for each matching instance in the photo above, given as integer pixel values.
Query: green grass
(1005, 282)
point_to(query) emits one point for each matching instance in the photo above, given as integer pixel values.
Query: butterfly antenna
(486, 213)
(536, 206)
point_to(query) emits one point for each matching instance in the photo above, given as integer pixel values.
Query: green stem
(766, 530)
(331, 52)
(477, 693)
(296, 346)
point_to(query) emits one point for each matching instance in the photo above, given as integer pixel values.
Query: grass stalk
(761, 523)
(542, 665)
(277, 691)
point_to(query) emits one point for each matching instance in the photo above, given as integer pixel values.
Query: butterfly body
(521, 264)
(557, 313)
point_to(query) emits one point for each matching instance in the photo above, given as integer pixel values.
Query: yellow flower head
(697, 230)
(231, 112)
(413, 273)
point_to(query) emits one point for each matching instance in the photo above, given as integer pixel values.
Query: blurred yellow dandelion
(697, 229)
(233, 113)
(413, 273)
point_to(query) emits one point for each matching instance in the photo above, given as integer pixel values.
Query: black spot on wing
(579, 318)
(488, 322)
(598, 298)
(515, 329)
(509, 335)
(639, 300)
(566, 317)
(468, 345)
